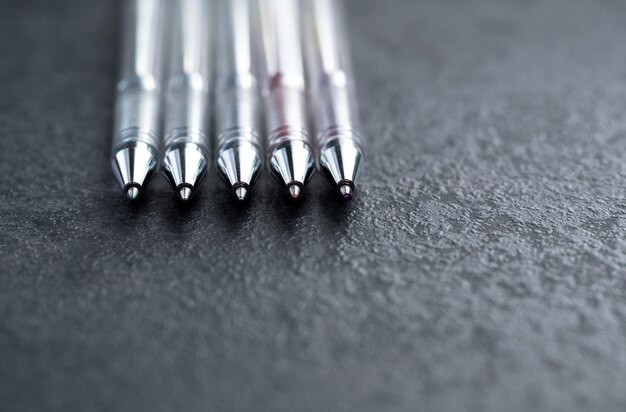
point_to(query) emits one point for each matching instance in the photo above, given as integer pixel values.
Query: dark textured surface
(481, 267)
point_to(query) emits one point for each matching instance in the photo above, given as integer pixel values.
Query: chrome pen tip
(241, 193)
(132, 193)
(133, 166)
(239, 166)
(340, 162)
(346, 191)
(294, 191)
(185, 194)
(185, 166)
(293, 164)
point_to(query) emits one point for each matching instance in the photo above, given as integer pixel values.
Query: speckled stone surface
(481, 267)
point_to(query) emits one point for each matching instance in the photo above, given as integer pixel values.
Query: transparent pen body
(138, 100)
(283, 73)
(332, 88)
(237, 87)
(188, 81)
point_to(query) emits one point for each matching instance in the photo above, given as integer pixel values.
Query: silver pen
(136, 131)
(239, 146)
(332, 92)
(186, 138)
(289, 145)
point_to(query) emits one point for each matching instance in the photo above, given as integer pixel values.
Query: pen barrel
(284, 81)
(332, 92)
(138, 100)
(237, 90)
(188, 83)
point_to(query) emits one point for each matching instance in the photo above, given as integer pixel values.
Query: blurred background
(480, 268)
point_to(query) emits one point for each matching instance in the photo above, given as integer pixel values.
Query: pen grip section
(286, 117)
(334, 109)
(238, 117)
(137, 116)
(186, 120)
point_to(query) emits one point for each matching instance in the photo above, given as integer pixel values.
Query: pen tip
(294, 191)
(132, 192)
(346, 191)
(185, 193)
(241, 193)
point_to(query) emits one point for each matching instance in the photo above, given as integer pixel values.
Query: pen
(186, 148)
(332, 93)
(289, 145)
(239, 160)
(136, 130)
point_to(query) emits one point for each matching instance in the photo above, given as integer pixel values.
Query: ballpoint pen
(138, 102)
(239, 160)
(332, 95)
(186, 138)
(289, 145)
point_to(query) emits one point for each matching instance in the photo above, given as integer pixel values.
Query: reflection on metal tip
(346, 191)
(295, 191)
(241, 193)
(185, 193)
(132, 193)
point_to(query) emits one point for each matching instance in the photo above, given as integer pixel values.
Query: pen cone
(133, 165)
(340, 162)
(239, 166)
(185, 166)
(292, 163)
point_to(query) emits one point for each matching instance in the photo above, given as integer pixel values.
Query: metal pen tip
(241, 193)
(346, 191)
(132, 193)
(294, 191)
(185, 193)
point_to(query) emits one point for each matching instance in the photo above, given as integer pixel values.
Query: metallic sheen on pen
(332, 95)
(239, 146)
(137, 130)
(289, 145)
(186, 149)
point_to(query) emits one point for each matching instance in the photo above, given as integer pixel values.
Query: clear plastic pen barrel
(186, 137)
(239, 146)
(138, 102)
(289, 145)
(332, 95)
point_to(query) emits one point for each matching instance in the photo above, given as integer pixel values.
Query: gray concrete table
(481, 267)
